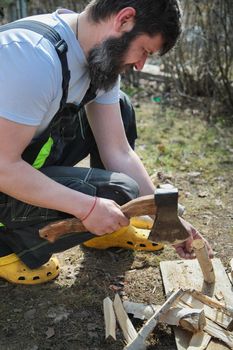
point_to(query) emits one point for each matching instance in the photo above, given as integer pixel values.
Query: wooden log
(204, 261)
(109, 319)
(126, 325)
(139, 342)
(187, 274)
(188, 318)
(227, 309)
(214, 330)
(199, 341)
(140, 310)
(216, 315)
(194, 321)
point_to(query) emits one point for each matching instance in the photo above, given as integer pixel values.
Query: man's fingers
(210, 250)
(124, 221)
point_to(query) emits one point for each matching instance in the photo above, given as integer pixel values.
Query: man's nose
(140, 64)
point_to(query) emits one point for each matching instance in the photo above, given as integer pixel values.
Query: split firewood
(192, 320)
(199, 341)
(140, 310)
(214, 330)
(139, 342)
(216, 315)
(109, 318)
(205, 263)
(126, 325)
(188, 318)
(227, 309)
(217, 332)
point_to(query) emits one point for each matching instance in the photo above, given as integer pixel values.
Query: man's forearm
(130, 164)
(21, 181)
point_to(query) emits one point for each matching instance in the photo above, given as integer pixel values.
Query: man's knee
(121, 188)
(130, 187)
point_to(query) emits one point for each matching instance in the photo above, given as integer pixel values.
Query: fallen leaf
(202, 194)
(115, 288)
(194, 174)
(50, 332)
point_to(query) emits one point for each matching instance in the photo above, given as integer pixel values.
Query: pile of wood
(200, 315)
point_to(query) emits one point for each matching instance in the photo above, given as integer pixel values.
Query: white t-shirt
(31, 74)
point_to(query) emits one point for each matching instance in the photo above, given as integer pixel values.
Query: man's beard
(105, 61)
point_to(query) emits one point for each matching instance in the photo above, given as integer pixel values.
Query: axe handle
(139, 206)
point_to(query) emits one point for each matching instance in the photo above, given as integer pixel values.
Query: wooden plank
(109, 318)
(216, 331)
(199, 341)
(217, 316)
(139, 342)
(187, 274)
(182, 338)
(231, 265)
(126, 325)
(230, 275)
(188, 318)
(216, 345)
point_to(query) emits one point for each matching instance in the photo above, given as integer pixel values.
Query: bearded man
(45, 129)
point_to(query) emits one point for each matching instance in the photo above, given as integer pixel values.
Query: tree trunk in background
(201, 65)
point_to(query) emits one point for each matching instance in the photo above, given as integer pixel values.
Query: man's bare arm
(115, 152)
(20, 180)
(117, 155)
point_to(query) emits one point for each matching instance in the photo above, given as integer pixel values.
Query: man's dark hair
(152, 17)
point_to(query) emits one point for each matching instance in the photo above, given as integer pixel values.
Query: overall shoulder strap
(61, 48)
(59, 44)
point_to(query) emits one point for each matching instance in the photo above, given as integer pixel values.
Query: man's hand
(106, 217)
(184, 249)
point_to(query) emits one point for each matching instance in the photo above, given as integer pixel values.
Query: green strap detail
(43, 154)
(41, 158)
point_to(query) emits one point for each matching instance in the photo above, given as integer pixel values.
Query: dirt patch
(67, 313)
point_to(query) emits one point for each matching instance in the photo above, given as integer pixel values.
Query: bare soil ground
(67, 313)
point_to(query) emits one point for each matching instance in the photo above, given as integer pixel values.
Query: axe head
(167, 226)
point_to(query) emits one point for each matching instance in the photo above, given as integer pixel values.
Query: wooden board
(199, 341)
(230, 274)
(126, 325)
(187, 274)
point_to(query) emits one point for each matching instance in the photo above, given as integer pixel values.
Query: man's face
(116, 55)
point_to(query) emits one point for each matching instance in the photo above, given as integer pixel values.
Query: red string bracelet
(91, 210)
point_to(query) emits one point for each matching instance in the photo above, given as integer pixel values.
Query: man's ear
(124, 20)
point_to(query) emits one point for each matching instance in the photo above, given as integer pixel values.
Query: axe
(163, 205)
